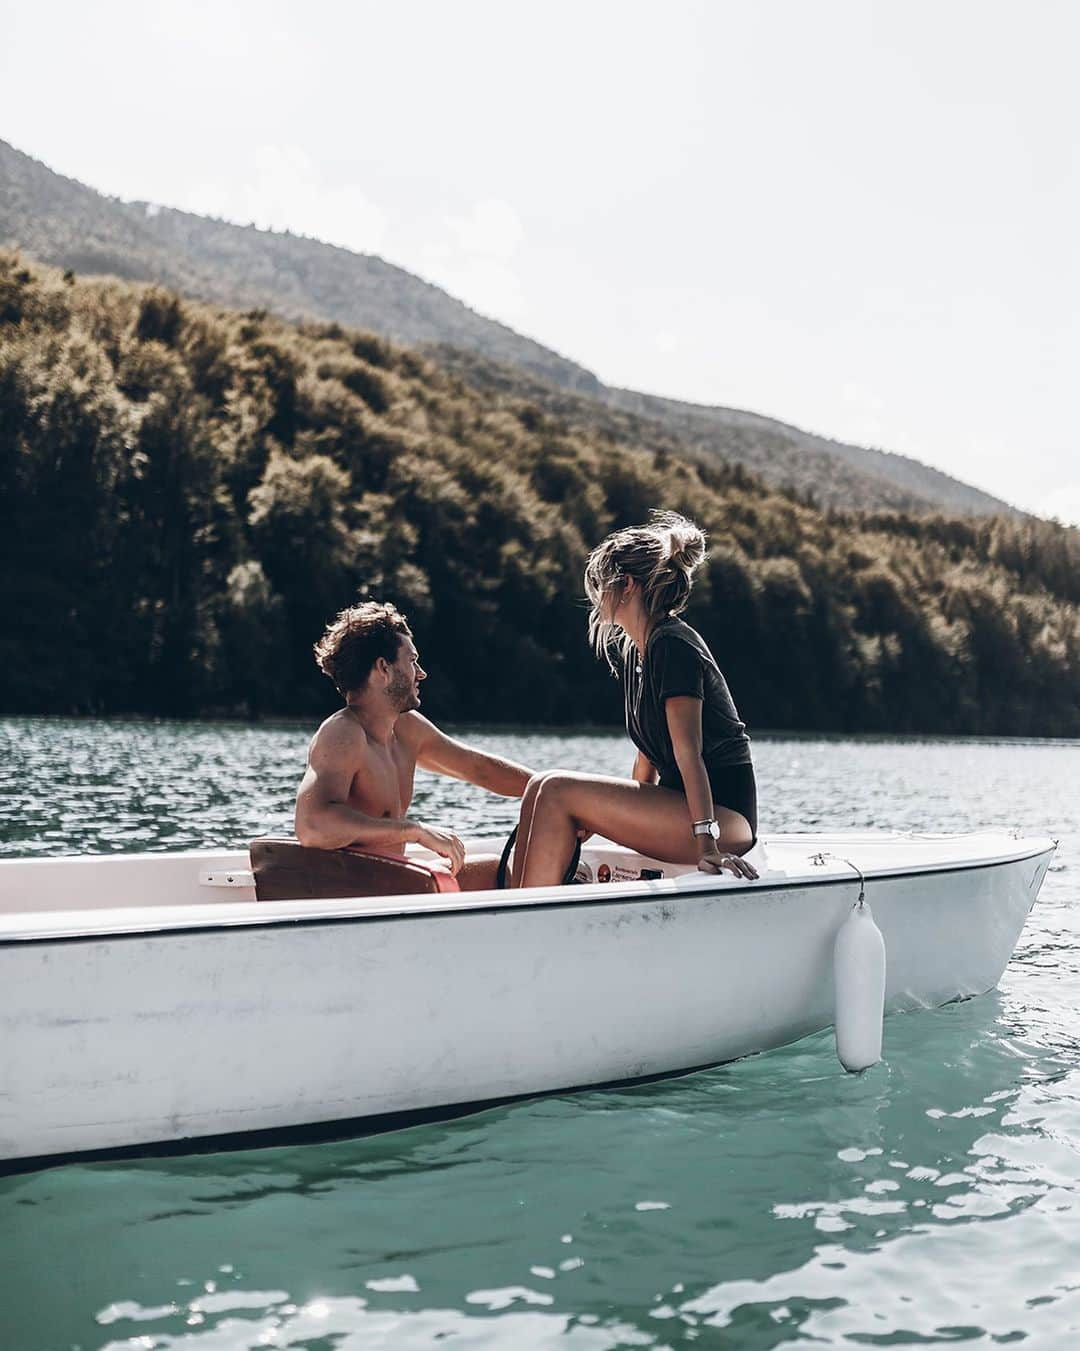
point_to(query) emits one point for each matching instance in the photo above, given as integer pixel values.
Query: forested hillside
(777, 454)
(62, 222)
(188, 494)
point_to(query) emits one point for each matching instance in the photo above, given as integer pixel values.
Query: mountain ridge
(61, 221)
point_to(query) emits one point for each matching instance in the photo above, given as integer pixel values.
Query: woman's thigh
(641, 816)
(478, 872)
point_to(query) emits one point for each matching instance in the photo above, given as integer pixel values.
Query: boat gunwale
(255, 914)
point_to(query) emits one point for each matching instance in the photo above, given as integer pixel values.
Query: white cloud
(1063, 503)
(473, 258)
(863, 422)
(484, 284)
(861, 397)
(491, 230)
(282, 187)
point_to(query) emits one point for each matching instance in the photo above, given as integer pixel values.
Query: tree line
(188, 494)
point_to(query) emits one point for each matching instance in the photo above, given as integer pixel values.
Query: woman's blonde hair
(662, 556)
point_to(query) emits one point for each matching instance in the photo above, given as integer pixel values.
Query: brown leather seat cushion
(286, 870)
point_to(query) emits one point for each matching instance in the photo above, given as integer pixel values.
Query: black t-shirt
(677, 661)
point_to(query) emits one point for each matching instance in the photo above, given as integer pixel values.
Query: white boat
(150, 998)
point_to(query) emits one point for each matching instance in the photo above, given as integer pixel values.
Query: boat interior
(276, 870)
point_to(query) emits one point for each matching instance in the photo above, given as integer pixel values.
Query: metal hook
(861, 902)
(819, 859)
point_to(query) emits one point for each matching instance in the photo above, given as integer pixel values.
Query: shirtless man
(361, 762)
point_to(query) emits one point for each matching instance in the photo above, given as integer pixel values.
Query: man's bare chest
(383, 782)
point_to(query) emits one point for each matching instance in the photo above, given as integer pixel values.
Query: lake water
(772, 1202)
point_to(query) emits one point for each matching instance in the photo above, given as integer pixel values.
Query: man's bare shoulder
(413, 729)
(340, 734)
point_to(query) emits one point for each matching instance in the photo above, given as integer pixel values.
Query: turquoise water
(772, 1202)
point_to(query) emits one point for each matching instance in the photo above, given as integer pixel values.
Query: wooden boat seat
(286, 870)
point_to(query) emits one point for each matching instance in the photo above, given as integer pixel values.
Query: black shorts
(733, 787)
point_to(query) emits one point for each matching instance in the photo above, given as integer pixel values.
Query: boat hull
(142, 1037)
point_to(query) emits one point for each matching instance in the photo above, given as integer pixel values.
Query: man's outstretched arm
(442, 754)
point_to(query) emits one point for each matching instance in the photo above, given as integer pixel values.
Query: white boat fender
(859, 981)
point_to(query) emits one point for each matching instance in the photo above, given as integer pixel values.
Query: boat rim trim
(460, 907)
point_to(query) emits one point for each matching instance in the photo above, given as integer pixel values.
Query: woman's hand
(717, 861)
(443, 842)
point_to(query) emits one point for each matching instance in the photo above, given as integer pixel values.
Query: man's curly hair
(356, 640)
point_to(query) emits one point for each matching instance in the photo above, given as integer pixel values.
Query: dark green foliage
(371, 349)
(187, 495)
(358, 377)
(160, 318)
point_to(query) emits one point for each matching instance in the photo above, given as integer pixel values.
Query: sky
(857, 216)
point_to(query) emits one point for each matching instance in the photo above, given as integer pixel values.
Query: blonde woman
(692, 797)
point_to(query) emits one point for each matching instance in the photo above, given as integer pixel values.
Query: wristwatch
(707, 828)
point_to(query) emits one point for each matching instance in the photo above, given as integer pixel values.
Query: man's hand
(715, 861)
(443, 842)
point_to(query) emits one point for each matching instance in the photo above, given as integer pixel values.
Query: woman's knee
(557, 795)
(550, 786)
(736, 835)
(536, 783)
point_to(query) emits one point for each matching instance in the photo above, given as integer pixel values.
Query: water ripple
(776, 1201)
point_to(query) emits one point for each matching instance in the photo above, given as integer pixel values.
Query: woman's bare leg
(525, 818)
(478, 872)
(652, 820)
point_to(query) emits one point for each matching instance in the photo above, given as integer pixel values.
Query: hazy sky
(857, 216)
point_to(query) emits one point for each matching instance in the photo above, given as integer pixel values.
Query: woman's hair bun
(661, 556)
(685, 542)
